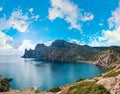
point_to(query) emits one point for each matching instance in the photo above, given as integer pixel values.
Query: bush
(56, 89)
(111, 74)
(37, 91)
(88, 88)
(4, 84)
(80, 79)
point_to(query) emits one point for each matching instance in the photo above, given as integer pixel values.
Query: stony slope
(107, 58)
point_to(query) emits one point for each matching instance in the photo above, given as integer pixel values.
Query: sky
(24, 23)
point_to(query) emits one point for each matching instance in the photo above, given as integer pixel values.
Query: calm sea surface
(41, 75)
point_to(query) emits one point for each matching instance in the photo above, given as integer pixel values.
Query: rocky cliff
(63, 51)
(107, 58)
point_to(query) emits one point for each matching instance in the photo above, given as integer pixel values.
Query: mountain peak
(59, 43)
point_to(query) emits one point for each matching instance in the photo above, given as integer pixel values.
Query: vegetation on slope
(88, 87)
(111, 74)
(56, 89)
(4, 84)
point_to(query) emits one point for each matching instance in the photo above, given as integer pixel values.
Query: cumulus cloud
(114, 20)
(4, 41)
(9, 46)
(26, 44)
(18, 20)
(68, 11)
(112, 35)
(87, 17)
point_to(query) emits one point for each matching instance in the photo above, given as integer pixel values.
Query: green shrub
(88, 88)
(111, 68)
(4, 84)
(111, 74)
(80, 79)
(37, 91)
(56, 89)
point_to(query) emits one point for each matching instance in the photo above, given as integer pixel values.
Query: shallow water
(41, 75)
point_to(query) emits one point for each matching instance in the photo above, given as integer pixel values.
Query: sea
(41, 75)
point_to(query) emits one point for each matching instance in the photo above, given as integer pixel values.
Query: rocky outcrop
(111, 83)
(108, 58)
(111, 80)
(63, 51)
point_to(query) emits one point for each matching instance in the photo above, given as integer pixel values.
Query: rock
(63, 51)
(111, 83)
(108, 58)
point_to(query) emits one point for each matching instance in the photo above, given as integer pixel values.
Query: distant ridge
(62, 51)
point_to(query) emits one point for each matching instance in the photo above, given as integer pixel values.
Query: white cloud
(48, 43)
(18, 20)
(35, 17)
(9, 46)
(4, 41)
(112, 35)
(76, 41)
(114, 21)
(97, 41)
(100, 24)
(68, 11)
(26, 44)
(31, 10)
(87, 17)
(1, 8)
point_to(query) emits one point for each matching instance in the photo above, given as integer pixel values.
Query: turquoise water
(41, 75)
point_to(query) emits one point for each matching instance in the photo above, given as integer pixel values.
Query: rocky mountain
(63, 51)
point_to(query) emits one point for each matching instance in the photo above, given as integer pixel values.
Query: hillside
(107, 58)
(107, 83)
(62, 51)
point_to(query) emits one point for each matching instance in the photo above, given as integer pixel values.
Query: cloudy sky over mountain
(24, 23)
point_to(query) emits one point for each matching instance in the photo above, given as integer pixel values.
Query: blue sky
(23, 24)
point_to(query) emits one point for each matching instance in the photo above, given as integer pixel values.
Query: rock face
(108, 58)
(111, 83)
(63, 51)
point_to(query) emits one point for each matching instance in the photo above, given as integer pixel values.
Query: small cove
(41, 75)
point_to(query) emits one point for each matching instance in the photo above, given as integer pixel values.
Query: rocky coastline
(62, 51)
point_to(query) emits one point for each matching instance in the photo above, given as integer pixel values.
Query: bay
(41, 75)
